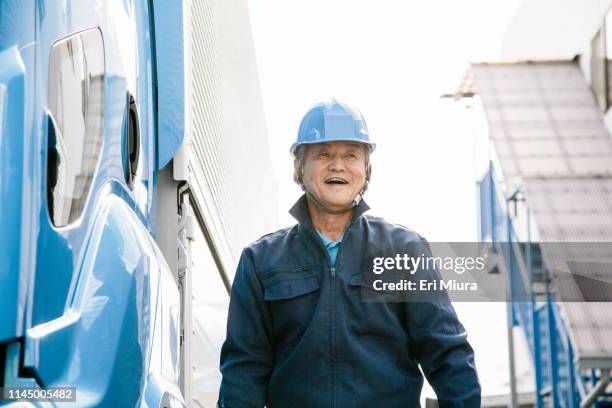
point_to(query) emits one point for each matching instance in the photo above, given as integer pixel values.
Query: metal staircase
(560, 382)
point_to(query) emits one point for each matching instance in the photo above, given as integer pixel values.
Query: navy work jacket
(299, 335)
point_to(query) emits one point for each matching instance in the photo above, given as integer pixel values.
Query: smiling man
(299, 334)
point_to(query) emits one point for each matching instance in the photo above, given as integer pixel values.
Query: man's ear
(297, 171)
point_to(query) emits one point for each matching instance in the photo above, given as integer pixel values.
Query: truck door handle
(54, 160)
(132, 142)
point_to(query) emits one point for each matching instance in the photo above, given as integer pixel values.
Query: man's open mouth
(336, 180)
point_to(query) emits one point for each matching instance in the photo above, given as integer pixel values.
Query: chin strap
(321, 207)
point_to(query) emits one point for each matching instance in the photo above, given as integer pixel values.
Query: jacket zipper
(332, 321)
(333, 301)
(332, 340)
(332, 278)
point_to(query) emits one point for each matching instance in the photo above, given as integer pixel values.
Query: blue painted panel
(145, 101)
(95, 281)
(171, 86)
(493, 212)
(16, 36)
(12, 109)
(16, 23)
(102, 343)
(91, 291)
(128, 68)
(484, 195)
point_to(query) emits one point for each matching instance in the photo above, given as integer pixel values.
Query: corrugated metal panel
(550, 136)
(230, 169)
(229, 163)
(590, 327)
(572, 210)
(544, 120)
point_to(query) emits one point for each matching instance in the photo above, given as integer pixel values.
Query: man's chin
(337, 205)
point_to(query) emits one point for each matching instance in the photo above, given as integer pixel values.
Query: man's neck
(330, 225)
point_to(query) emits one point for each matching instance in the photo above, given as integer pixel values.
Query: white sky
(392, 60)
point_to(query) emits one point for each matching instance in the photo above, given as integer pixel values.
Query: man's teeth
(336, 181)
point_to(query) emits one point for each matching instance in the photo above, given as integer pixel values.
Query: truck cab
(117, 257)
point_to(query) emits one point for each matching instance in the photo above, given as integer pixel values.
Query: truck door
(94, 269)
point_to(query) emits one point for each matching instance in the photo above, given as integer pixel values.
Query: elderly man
(299, 334)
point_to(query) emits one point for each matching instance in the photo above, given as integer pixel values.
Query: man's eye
(351, 155)
(323, 154)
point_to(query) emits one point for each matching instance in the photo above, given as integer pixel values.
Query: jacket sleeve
(441, 346)
(246, 356)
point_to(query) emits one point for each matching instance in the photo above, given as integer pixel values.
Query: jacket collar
(300, 212)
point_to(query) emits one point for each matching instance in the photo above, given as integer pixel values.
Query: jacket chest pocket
(292, 295)
(281, 284)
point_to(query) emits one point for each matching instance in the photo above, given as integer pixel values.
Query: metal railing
(559, 381)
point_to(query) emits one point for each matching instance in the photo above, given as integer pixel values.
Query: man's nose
(336, 163)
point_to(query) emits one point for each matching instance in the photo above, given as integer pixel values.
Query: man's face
(335, 172)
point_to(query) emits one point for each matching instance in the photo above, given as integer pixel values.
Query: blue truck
(120, 217)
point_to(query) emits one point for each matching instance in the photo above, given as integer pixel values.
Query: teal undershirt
(332, 247)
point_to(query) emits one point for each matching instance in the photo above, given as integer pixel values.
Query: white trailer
(218, 194)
